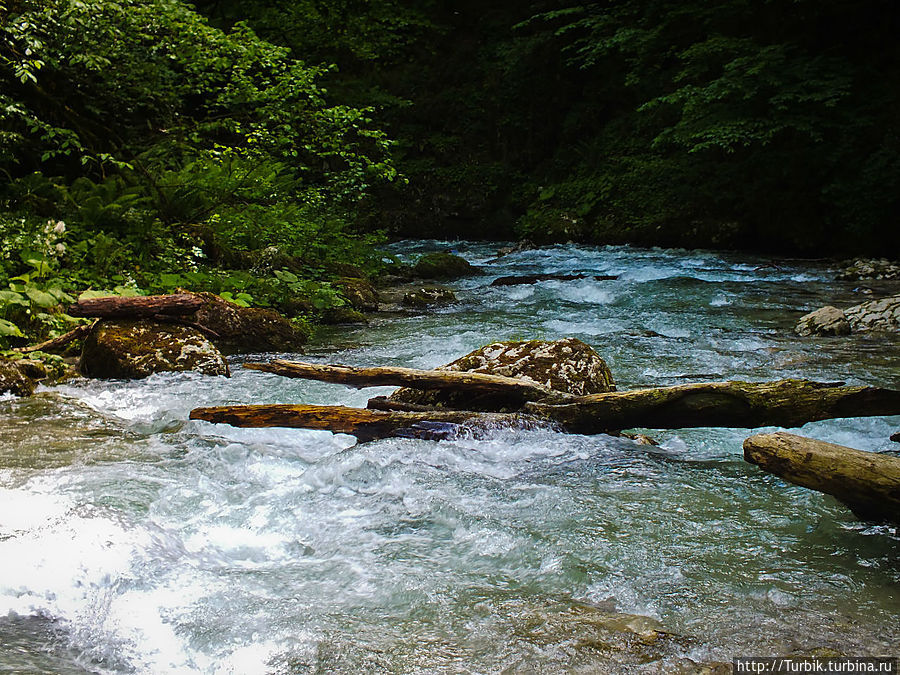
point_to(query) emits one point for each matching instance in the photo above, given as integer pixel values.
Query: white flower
(60, 227)
(60, 248)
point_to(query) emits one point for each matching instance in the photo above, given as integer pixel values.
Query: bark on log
(61, 341)
(867, 482)
(785, 403)
(512, 387)
(139, 307)
(365, 424)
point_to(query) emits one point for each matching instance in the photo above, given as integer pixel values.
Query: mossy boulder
(567, 365)
(13, 380)
(342, 315)
(136, 349)
(360, 294)
(428, 296)
(443, 266)
(248, 329)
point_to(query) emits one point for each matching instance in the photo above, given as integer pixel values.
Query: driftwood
(785, 403)
(55, 343)
(867, 482)
(476, 383)
(522, 279)
(138, 307)
(365, 424)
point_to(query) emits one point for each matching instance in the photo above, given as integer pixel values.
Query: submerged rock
(443, 266)
(248, 329)
(873, 315)
(567, 365)
(429, 296)
(136, 349)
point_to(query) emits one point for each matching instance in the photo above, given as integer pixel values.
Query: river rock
(869, 268)
(247, 329)
(429, 296)
(360, 294)
(136, 349)
(825, 321)
(567, 365)
(883, 315)
(442, 266)
(13, 380)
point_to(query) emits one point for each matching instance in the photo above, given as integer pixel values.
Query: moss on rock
(248, 329)
(13, 380)
(443, 266)
(429, 296)
(136, 349)
(359, 293)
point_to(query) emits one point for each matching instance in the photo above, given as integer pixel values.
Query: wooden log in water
(785, 403)
(138, 307)
(363, 423)
(867, 482)
(476, 383)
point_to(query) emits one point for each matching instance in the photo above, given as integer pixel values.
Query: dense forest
(260, 149)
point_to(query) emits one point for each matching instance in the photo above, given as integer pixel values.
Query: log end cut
(867, 482)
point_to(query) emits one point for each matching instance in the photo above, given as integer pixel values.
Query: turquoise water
(135, 541)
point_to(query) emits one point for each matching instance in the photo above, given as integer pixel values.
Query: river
(135, 541)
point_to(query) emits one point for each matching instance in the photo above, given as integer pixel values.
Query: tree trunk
(139, 307)
(867, 482)
(49, 345)
(476, 383)
(729, 404)
(365, 424)
(785, 403)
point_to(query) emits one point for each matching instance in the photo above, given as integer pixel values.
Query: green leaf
(40, 298)
(9, 329)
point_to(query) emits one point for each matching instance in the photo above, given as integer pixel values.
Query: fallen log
(523, 279)
(475, 383)
(784, 403)
(867, 482)
(76, 333)
(138, 307)
(365, 424)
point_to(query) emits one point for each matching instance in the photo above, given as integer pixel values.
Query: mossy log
(138, 307)
(475, 383)
(363, 423)
(728, 404)
(784, 403)
(53, 344)
(867, 482)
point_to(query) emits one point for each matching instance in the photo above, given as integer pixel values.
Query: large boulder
(247, 329)
(881, 314)
(825, 321)
(869, 269)
(567, 365)
(443, 266)
(136, 349)
(874, 315)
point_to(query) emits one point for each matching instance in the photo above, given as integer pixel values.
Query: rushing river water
(134, 541)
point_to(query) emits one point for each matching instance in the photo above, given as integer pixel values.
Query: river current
(135, 541)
